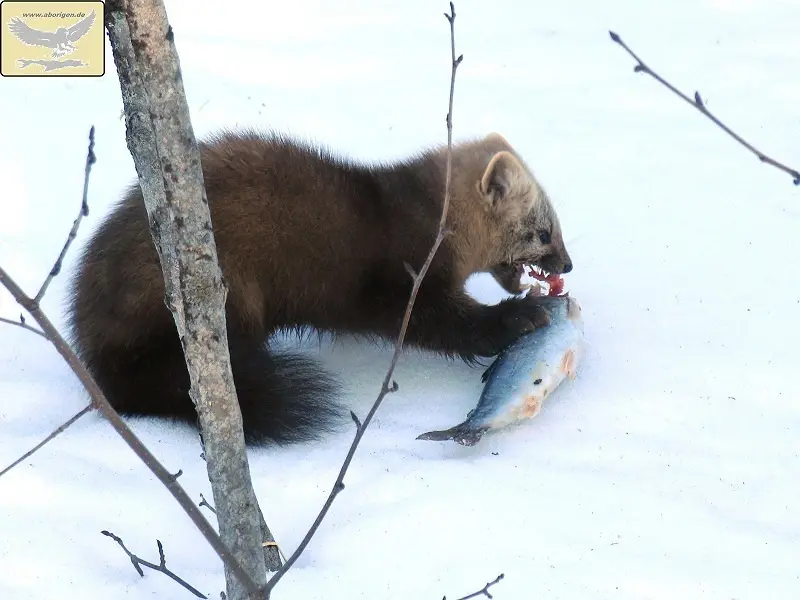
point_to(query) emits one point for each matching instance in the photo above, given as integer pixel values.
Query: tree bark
(162, 143)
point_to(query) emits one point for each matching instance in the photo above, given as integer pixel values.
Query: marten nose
(568, 267)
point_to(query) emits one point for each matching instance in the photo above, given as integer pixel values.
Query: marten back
(306, 239)
(301, 238)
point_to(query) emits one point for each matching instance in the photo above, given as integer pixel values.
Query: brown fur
(306, 239)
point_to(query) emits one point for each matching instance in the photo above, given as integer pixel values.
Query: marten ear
(503, 185)
(496, 138)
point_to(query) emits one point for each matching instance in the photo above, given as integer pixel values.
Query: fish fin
(459, 434)
(438, 436)
(568, 364)
(488, 372)
(469, 438)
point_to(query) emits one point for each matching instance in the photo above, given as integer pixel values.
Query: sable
(306, 239)
(309, 240)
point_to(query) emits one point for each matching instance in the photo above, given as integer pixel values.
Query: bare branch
(99, 400)
(24, 325)
(267, 544)
(698, 103)
(101, 403)
(388, 385)
(206, 504)
(166, 155)
(90, 160)
(48, 438)
(161, 567)
(484, 591)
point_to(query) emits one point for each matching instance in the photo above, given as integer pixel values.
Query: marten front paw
(509, 320)
(533, 309)
(524, 314)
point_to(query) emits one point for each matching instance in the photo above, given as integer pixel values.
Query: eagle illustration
(60, 40)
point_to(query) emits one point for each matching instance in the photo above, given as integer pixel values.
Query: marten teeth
(538, 272)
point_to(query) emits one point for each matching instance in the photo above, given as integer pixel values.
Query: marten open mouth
(523, 267)
(554, 281)
(533, 270)
(536, 272)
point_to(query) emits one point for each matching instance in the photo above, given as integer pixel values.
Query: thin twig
(90, 160)
(84, 211)
(24, 325)
(697, 102)
(161, 567)
(388, 385)
(48, 438)
(101, 402)
(206, 504)
(484, 591)
(267, 544)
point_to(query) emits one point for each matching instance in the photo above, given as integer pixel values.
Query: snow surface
(668, 469)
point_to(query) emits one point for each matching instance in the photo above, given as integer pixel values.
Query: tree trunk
(162, 143)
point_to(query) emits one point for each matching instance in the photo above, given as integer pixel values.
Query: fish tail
(459, 434)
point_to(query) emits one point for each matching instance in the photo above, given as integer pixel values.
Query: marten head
(525, 226)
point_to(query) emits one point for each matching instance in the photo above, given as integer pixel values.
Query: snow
(668, 469)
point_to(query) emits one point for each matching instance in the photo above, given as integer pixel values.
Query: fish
(524, 374)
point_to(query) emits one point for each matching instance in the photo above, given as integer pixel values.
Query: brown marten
(306, 239)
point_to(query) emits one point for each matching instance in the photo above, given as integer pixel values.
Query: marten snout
(557, 263)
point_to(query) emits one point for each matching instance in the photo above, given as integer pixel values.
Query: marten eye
(544, 237)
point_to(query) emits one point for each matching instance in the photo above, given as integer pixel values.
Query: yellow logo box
(52, 39)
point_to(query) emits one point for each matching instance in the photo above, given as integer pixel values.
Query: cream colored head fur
(505, 216)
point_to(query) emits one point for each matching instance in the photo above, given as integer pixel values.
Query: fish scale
(524, 374)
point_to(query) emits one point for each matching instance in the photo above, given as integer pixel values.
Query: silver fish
(524, 374)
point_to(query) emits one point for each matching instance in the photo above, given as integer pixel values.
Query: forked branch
(84, 212)
(484, 591)
(697, 102)
(23, 324)
(60, 429)
(55, 270)
(99, 401)
(161, 567)
(388, 385)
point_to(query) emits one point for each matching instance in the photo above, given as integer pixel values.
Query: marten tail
(284, 398)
